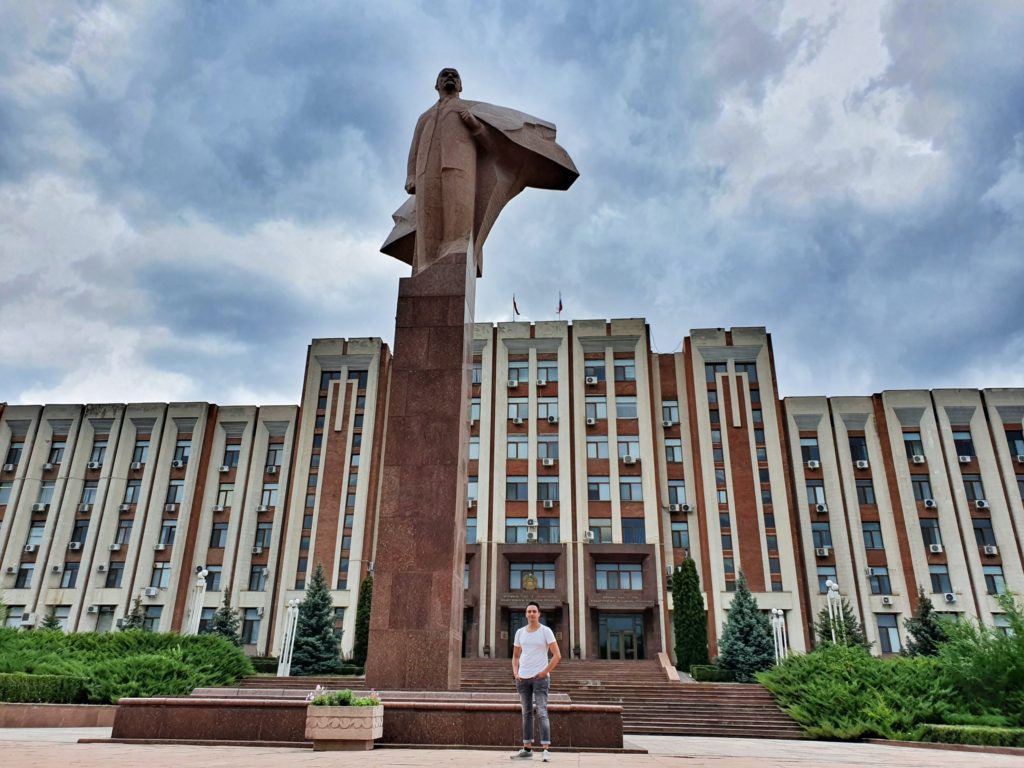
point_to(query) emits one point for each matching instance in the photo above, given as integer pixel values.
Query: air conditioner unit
(39, 507)
(861, 464)
(531, 535)
(930, 504)
(627, 459)
(821, 507)
(55, 568)
(552, 419)
(11, 570)
(177, 464)
(991, 549)
(101, 568)
(964, 459)
(8, 467)
(119, 623)
(264, 571)
(687, 508)
(115, 547)
(547, 462)
(151, 592)
(549, 504)
(675, 507)
(262, 508)
(218, 508)
(517, 421)
(935, 549)
(159, 547)
(260, 611)
(470, 503)
(591, 381)
(588, 536)
(257, 550)
(531, 522)
(821, 551)
(84, 507)
(94, 465)
(28, 619)
(124, 507)
(591, 422)
(512, 383)
(271, 469)
(135, 465)
(887, 600)
(813, 464)
(47, 467)
(917, 458)
(74, 546)
(170, 507)
(223, 468)
(949, 597)
(666, 424)
(981, 504)
(31, 547)
(542, 382)
(92, 609)
(1020, 458)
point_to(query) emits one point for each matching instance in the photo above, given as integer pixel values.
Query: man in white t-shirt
(532, 671)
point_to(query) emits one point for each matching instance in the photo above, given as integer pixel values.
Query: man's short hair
(535, 605)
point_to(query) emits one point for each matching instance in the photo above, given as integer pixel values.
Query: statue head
(448, 82)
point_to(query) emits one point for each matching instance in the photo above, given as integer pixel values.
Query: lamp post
(196, 601)
(835, 610)
(291, 621)
(779, 634)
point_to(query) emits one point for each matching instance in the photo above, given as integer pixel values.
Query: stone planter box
(333, 728)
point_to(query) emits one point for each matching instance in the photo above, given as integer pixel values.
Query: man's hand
(541, 675)
(470, 120)
(410, 185)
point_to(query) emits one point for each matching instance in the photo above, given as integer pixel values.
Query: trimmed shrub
(982, 735)
(264, 664)
(41, 689)
(706, 673)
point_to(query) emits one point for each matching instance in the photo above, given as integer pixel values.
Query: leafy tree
(135, 619)
(50, 621)
(849, 631)
(746, 644)
(362, 643)
(925, 631)
(316, 647)
(689, 619)
(226, 622)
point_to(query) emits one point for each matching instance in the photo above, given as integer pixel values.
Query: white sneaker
(522, 754)
(545, 756)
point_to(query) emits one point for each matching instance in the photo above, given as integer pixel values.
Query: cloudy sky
(191, 191)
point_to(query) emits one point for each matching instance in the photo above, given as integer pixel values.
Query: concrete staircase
(651, 704)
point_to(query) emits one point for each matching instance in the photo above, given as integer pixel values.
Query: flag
(515, 307)
(559, 302)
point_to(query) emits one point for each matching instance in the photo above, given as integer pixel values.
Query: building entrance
(622, 637)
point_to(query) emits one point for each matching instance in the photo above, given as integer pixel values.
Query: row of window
(880, 584)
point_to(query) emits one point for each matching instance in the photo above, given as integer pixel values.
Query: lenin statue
(467, 160)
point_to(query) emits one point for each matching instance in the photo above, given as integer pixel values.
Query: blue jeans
(533, 697)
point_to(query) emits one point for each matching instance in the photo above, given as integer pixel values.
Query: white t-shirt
(535, 649)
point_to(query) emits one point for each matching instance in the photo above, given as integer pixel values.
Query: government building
(595, 466)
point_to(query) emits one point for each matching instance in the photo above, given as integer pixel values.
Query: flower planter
(332, 728)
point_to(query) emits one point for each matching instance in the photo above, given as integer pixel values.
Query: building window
(865, 493)
(257, 578)
(674, 451)
(821, 535)
(56, 452)
(825, 572)
(167, 530)
(750, 369)
(99, 451)
(516, 530)
(879, 580)
(268, 497)
(250, 626)
(922, 488)
(620, 576)
(601, 527)
(35, 532)
(24, 578)
(326, 377)
(175, 491)
(519, 371)
(182, 449)
(858, 448)
(472, 487)
(888, 633)
(628, 445)
(815, 492)
(5, 493)
(517, 489)
(633, 531)
(809, 450)
(680, 536)
(630, 489)
(124, 532)
(598, 488)
(547, 371)
(994, 582)
(547, 489)
(518, 408)
(264, 534)
(625, 371)
(1015, 441)
(964, 444)
(912, 444)
(115, 572)
(471, 530)
(14, 453)
(474, 448)
(69, 577)
(676, 492)
(712, 370)
(594, 371)
(670, 411)
(161, 576)
(206, 620)
(940, 578)
(597, 447)
(213, 574)
(930, 533)
(547, 407)
(219, 536)
(45, 492)
(80, 531)
(231, 454)
(518, 447)
(276, 450)
(547, 447)
(89, 492)
(983, 533)
(543, 573)
(973, 487)
(596, 407)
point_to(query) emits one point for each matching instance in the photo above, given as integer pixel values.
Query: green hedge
(41, 689)
(130, 663)
(708, 673)
(982, 735)
(264, 664)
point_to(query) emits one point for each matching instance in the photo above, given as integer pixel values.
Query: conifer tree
(849, 631)
(689, 619)
(226, 622)
(746, 644)
(362, 642)
(316, 647)
(925, 632)
(136, 618)
(50, 621)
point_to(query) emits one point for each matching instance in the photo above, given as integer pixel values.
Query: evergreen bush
(45, 689)
(226, 622)
(925, 630)
(316, 647)
(983, 735)
(746, 645)
(362, 641)
(50, 620)
(136, 618)
(689, 619)
(849, 631)
(706, 673)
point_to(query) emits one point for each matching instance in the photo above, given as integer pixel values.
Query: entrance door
(621, 645)
(621, 637)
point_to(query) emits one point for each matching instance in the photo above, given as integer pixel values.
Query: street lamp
(835, 610)
(779, 638)
(196, 603)
(291, 621)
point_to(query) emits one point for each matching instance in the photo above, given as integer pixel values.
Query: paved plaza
(58, 747)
